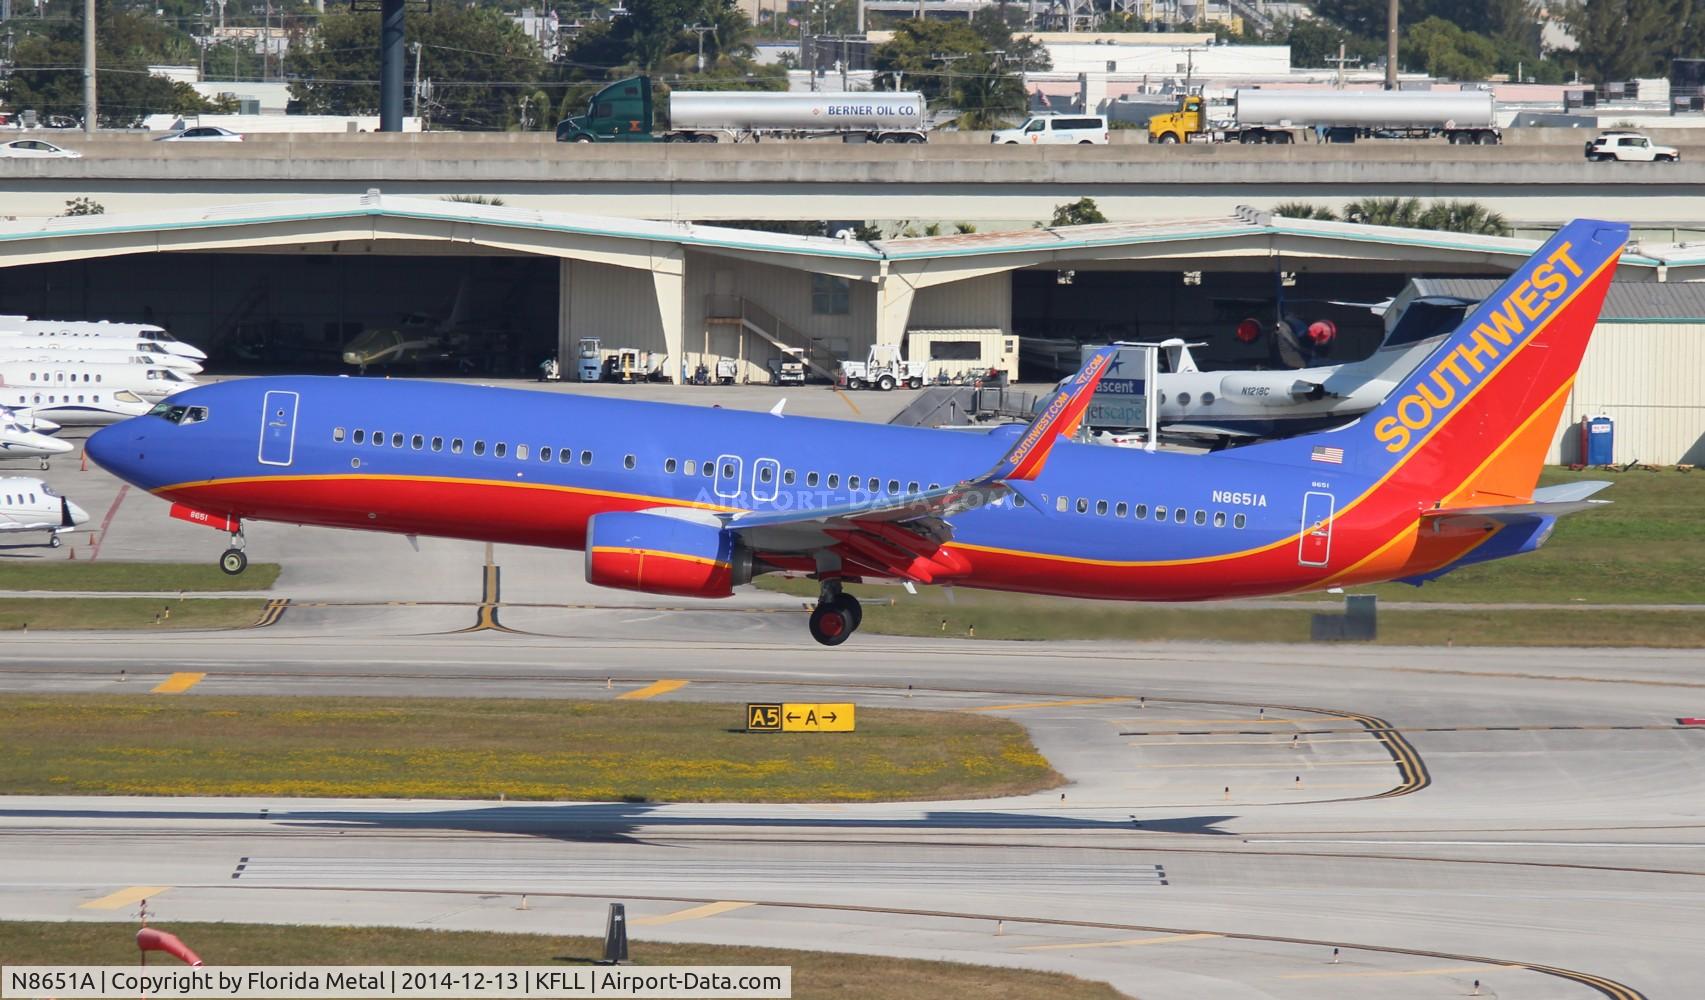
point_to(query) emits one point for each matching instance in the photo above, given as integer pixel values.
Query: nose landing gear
(837, 615)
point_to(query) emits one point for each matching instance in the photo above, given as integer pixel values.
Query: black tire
(1085, 142)
(913, 140)
(887, 138)
(830, 623)
(1665, 158)
(705, 137)
(233, 561)
(1169, 139)
(855, 384)
(915, 382)
(885, 382)
(1010, 142)
(582, 138)
(54, 542)
(853, 609)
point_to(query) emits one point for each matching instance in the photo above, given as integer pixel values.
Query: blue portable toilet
(1598, 440)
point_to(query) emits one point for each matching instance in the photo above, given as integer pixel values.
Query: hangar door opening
(304, 312)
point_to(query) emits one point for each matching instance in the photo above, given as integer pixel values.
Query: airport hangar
(280, 286)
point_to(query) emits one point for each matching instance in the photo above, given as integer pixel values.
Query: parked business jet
(28, 505)
(1232, 405)
(29, 418)
(18, 441)
(684, 500)
(100, 352)
(74, 331)
(149, 382)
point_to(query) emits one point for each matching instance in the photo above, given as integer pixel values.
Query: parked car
(34, 149)
(201, 133)
(1056, 130)
(1630, 146)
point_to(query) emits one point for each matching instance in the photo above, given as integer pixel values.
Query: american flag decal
(1331, 456)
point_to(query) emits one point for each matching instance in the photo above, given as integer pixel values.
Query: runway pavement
(1532, 820)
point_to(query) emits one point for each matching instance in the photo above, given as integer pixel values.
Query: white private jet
(76, 330)
(71, 406)
(150, 382)
(1244, 405)
(32, 505)
(19, 441)
(104, 351)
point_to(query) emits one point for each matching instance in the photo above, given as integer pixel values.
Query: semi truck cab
(621, 112)
(1180, 125)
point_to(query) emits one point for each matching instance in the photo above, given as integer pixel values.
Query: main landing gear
(836, 616)
(233, 560)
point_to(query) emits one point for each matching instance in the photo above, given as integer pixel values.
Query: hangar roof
(375, 217)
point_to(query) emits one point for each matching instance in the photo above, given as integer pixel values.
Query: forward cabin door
(278, 428)
(1316, 545)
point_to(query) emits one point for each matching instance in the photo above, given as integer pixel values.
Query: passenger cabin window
(668, 465)
(545, 453)
(1142, 511)
(1160, 513)
(1082, 505)
(628, 462)
(834, 480)
(499, 450)
(1062, 505)
(585, 458)
(1239, 521)
(1101, 508)
(688, 467)
(437, 444)
(337, 434)
(378, 439)
(1219, 518)
(911, 487)
(852, 482)
(479, 447)
(565, 455)
(811, 479)
(766, 474)
(1120, 510)
(787, 478)
(1201, 517)
(520, 453)
(455, 446)
(893, 486)
(1179, 514)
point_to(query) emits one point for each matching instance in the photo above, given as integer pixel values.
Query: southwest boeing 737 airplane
(684, 500)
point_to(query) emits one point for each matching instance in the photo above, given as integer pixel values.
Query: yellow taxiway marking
(651, 690)
(124, 897)
(1279, 741)
(178, 683)
(1162, 939)
(1303, 764)
(1375, 974)
(1045, 704)
(693, 913)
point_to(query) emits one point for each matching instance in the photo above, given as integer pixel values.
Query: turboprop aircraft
(29, 505)
(683, 500)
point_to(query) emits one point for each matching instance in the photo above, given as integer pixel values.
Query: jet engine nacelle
(658, 554)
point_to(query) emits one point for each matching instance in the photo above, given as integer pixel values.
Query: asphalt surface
(1531, 820)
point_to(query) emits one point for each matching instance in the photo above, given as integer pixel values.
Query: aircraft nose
(115, 449)
(54, 446)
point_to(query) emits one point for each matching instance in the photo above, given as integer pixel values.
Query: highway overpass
(1535, 185)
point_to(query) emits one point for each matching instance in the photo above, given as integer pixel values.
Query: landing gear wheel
(831, 625)
(854, 610)
(53, 542)
(233, 561)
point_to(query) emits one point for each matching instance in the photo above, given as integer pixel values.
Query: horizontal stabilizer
(1474, 520)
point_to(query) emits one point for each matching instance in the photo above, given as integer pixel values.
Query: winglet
(1060, 418)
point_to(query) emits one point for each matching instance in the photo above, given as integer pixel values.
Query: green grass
(816, 974)
(60, 613)
(640, 751)
(117, 577)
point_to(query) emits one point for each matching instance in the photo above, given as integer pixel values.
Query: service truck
(1279, 116)
(623, 112)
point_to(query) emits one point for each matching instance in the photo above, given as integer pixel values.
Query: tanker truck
(1263, 116)
(622, 112)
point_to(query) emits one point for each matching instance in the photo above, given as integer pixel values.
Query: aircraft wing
(1550, 501)
(902, 537)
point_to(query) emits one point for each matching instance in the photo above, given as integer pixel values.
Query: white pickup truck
(1630, 146)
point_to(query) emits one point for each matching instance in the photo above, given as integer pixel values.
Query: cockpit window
(179, 414)
(48, 490)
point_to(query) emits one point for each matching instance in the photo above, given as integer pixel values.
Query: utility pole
(89, 67)
(1341, 61)
(1391, 45)
(417, 79)
(701, 29)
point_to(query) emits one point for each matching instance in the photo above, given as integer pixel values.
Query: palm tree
(1402, 212)
(1303, 210)
(1464, 217)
